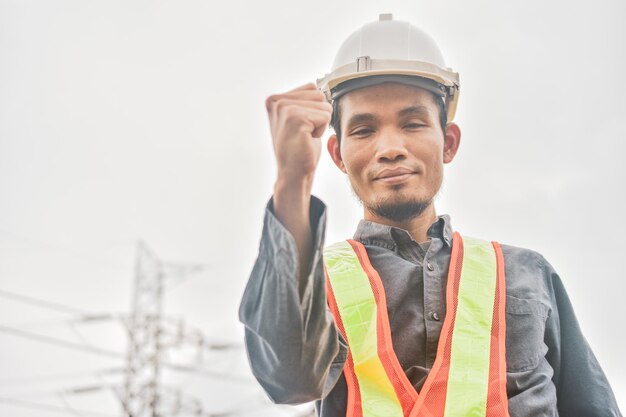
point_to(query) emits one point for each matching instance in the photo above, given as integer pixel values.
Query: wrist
(292, 197)
(293, 184)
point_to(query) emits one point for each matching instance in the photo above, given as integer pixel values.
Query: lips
(394, 176)
(399, 173)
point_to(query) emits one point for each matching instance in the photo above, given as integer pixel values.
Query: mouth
(394, 176)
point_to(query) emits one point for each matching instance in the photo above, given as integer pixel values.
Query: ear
(452, 140)
(335, 152)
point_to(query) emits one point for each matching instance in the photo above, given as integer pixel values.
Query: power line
(42, 303)
(145, 325)
(110, 353)
(49, 407)
(69, 407)
(84, 316)
(76, 390)
(83, 319)
(60, 342)
(56, 377)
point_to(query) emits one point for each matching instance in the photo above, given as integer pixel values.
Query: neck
(417, 226)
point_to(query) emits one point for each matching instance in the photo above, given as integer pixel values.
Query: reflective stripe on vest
(468, 377)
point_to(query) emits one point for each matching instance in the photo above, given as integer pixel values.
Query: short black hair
(335, 121)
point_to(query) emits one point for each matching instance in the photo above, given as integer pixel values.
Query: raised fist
(298, 119)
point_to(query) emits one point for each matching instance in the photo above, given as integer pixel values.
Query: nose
(391, 147)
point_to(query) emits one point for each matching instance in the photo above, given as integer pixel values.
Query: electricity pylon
(149, 335)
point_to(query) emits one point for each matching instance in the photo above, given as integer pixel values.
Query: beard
(398, 211)
(397, 207)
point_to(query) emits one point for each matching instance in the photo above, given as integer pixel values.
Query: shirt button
(430, 266)
(435, 316)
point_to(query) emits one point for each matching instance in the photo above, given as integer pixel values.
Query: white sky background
(145, 119)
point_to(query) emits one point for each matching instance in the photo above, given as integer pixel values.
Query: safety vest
(468, 377)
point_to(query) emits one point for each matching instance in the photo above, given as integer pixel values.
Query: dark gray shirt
(297, 354)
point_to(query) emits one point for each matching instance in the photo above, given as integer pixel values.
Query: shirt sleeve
(293, 346)
(581, 385)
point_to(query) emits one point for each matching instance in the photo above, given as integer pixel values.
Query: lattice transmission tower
(149, 335)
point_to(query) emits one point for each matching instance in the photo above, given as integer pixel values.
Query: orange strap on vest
(468, 377)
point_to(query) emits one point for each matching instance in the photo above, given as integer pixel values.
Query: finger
(280, 107)
(313, 95)
(321, 121)
(319, 131)
(283, 103)
(315, 119)
(307, 86)
(308, 94)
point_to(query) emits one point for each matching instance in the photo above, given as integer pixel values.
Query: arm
(298, 119)
(291, 201)
(582, 387)
(293, 346)
(292, 343)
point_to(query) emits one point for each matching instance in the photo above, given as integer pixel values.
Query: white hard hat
(391, 50)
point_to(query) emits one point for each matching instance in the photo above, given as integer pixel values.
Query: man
(446, 324)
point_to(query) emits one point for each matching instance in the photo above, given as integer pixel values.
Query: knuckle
(269, 101)
(291, 112)
(282, 105)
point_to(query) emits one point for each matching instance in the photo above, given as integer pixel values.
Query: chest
(415, 290)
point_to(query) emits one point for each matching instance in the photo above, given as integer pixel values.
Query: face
(393, 149)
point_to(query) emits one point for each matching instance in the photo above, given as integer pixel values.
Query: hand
(298, 119)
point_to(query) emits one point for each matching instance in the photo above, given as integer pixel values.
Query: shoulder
(529, 276)
(524, 258)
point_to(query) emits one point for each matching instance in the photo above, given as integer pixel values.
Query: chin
(399, 207)
(401, 194)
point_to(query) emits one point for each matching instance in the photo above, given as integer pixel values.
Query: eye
(413, 125)
(362, 132)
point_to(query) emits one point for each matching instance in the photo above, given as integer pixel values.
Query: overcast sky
(126, 120)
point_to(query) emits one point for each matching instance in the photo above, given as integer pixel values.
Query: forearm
(293, 345)
(292, 200)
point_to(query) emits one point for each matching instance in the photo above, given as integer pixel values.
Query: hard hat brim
(361, 82)
(429, 75)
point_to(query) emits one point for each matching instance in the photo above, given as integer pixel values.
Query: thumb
(319, 131)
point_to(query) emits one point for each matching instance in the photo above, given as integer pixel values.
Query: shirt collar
(391, 237)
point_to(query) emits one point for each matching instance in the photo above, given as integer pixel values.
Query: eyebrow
(359, 118)
(414, 111)
(407, 111)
